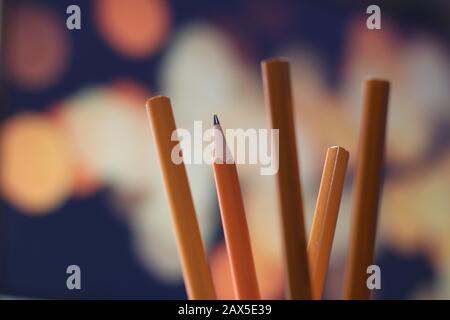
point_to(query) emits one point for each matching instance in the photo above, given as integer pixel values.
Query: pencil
(233, 219)
(325, 217)
(368, 179)
(278, 99)
(196, 272)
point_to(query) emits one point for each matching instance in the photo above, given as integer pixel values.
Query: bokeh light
(136, 30)
(107, 135)
(153, 234)
(35, 164)
(371, 54)
(85, 182)
(37, 47)
(132, 91)
(91, 140)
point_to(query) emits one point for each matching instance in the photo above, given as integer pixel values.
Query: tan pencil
(196, 272)
(366, 192)
(325, 217)
(278, 99)
(234, 222)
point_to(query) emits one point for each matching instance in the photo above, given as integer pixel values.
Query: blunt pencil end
(156, 101)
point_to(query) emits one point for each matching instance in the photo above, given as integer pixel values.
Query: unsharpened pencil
(278, 99)
(196, 272)
(325, 217)
(367, 185)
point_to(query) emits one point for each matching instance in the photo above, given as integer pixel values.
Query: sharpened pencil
(234, 222)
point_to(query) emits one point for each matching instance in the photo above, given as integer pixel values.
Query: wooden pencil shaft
(196, 273)
(367, 185)
(234, 221)
(278, 97)
(325, 217)
(236, 232)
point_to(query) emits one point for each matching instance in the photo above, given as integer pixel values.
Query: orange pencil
(325, 217)
(278, 98)
(367, 188)
(196, 273)
(233, 219)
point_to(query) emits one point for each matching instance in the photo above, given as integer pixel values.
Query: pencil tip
(216, 120)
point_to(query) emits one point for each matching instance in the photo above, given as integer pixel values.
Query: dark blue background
(35, 252)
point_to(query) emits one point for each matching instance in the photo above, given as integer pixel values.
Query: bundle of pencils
(305, 263)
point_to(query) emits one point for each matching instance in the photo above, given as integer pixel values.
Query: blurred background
(80, 182)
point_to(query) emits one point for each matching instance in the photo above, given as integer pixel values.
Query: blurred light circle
(421, 199)
(384, 55)
(35, 164)
(109, 137)
(218, 80)
(152, 235)
(134, 29)
(85, 182)
(36, 47)
(427, 68)
(132, 91)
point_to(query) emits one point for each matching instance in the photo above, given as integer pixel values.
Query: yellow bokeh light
(35, 164)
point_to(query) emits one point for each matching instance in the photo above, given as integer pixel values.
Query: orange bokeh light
(35, 164)
(132, 91)
(136, 30)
